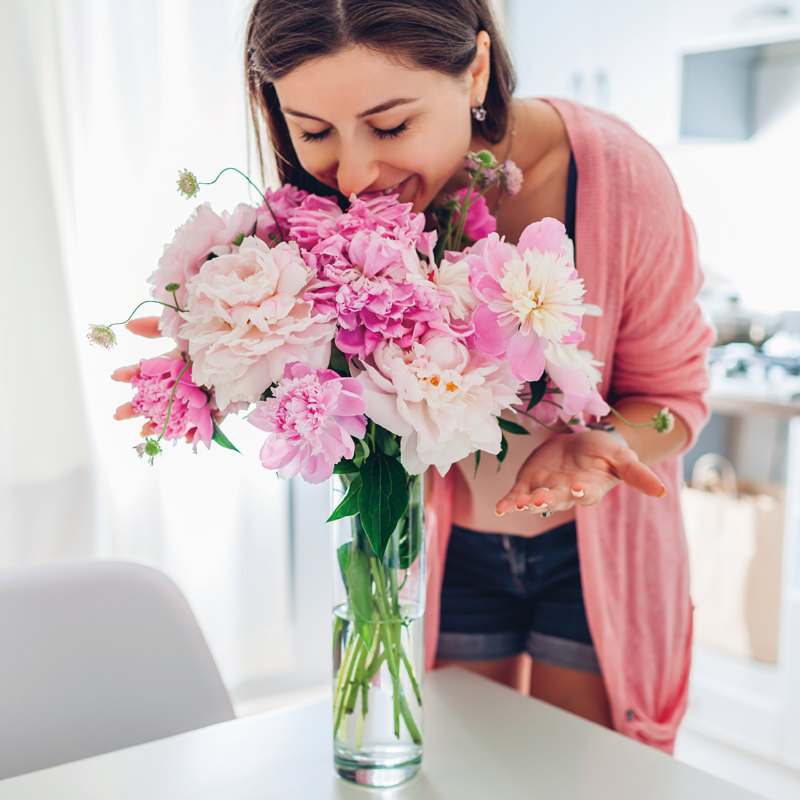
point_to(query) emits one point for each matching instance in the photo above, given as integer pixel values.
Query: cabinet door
(708, 19)
(636, 70)
(550, 45)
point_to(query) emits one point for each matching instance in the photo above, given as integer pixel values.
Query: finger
(588, 492)
(147, 429)
(125, 411)
(508, 503)
(637, 475)
(126, 374)
(145, 326)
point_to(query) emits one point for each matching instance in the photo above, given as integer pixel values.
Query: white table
(483, 741)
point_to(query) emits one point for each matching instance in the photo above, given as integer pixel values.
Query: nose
(356, 171)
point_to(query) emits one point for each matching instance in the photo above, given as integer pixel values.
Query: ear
(480, 69)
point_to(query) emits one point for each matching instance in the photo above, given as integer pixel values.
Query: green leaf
(383, 499)
(359, 589)
(387, 442)
(512, 427)
(477, 461)
(220, 438)
(362, 451)
(267, 393)
(501, 456)
(338, 361)
(345, 467)
(538, 388)
(349, 505)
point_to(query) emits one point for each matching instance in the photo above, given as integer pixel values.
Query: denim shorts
(503, 595)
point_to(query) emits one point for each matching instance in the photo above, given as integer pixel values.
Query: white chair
(95, 656)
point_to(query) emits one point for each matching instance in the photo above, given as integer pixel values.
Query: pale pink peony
(204, 233)
(313, 417)
(248, 316)
(480, 223)
(440, 396)
(190, 412)
(530, 295)
(282, 202)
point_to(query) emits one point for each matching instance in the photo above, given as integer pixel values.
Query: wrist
(608, 427)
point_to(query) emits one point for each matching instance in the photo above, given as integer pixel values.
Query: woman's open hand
(577, 468)
(147, 327)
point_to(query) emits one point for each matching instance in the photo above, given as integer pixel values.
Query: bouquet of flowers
(367, 347)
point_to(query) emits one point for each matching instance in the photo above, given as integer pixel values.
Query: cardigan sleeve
(661, 350)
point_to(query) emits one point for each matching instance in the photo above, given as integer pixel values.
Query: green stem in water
(411, 675)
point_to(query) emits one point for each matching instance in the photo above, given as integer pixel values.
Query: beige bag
(734, 544)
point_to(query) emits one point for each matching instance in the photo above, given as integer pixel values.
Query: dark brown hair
(427, 34)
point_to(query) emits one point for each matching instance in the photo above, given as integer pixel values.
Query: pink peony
(313, 417)
(378, 290)
(480, 223)
(282, 202)
(202, 234)
(530, 295)
(190, 412)
(248, 317)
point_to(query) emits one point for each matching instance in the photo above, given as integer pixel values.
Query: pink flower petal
(491, 338)
(526, 357)
(542, 236)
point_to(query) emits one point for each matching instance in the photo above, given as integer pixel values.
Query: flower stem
(538, 422)
(171, 398)
(630, 424)
(176, 307)
(233, 169)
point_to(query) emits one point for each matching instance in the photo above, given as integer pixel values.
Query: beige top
(475, 496)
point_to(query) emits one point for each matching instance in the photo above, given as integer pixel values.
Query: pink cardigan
(636, 252)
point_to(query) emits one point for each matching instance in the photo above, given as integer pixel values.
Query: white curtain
(103, 101)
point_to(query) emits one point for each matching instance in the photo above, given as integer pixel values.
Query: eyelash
(381, 134)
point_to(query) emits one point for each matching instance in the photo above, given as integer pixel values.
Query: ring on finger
(547, 513)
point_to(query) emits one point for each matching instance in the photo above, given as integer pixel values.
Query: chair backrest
(96, 656)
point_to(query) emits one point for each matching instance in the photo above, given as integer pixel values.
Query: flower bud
(150, 448)
(664, 421)
(187, 183)
(172, 287)
(102, 335)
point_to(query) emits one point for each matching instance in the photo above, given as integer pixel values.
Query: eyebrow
(399, 101)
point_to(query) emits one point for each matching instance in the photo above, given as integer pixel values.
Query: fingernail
(543, 505)
(524, 508)
(499, 513)
(581, 493)
(663, 492)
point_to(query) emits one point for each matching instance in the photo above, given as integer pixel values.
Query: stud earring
(478, 111)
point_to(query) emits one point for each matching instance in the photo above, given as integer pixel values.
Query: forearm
(651, 447)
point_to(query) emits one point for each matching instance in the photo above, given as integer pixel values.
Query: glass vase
(378, 646)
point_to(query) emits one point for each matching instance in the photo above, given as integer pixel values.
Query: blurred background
(104, 101)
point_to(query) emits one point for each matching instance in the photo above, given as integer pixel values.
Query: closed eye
(393, 133)
(314, 137)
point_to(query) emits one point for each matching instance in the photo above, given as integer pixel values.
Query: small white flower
(664, 421)
(102, 335)
(150, 448)
(187, 183)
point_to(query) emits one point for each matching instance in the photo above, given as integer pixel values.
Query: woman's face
(360, 122)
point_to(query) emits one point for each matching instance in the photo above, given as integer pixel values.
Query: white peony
(441, 397)
(247, 318)
(453, 278)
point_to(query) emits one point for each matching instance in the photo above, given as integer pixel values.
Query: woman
(590, 578)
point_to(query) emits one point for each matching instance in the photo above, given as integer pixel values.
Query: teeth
(390, 190)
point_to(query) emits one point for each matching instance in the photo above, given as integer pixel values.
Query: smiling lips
(397, 188)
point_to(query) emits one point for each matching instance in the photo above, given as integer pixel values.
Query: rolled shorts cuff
(478, 646)
(563, 653)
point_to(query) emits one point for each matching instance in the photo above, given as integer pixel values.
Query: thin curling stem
(630, 424)
(176, 307)
(548, 427)
(234, 169)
